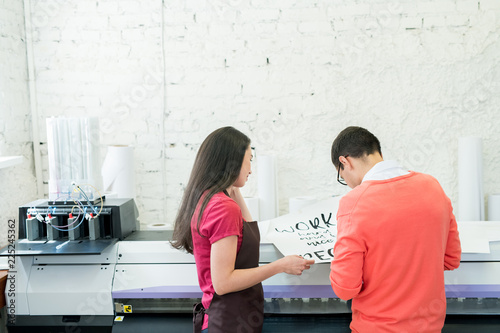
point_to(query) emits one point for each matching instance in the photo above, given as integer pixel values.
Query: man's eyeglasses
(339, 178)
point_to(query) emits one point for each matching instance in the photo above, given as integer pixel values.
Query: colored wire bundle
(82, 210)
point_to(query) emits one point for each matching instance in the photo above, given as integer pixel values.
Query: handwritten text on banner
(311, 232)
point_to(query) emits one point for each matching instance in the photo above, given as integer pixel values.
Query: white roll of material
(157, 226)
(267, 187)
(470, 179)
(494, 207)
(253, 206)
(297, 203)
(118, 171)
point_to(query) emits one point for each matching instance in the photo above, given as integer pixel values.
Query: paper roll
(296, 203)
(157, 226)
(253, 206)
(118, 171)
(267, 187)
(470, 179)
(494, 207)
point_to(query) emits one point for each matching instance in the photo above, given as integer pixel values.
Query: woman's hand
(295, 265)
(226, 278)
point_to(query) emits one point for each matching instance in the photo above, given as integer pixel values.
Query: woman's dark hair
(216, 167)
(355, 142)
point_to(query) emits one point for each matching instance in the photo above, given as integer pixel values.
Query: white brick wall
(17, 184)
(104, 58)
(290, 74)
(396, 68)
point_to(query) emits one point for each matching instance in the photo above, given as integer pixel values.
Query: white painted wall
(161, 75)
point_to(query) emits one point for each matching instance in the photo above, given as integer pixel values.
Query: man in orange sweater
(396, 236)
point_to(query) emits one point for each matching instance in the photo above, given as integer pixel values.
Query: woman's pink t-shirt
(221, 218)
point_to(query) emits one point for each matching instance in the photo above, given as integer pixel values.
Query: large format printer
(157, 284)
(61, 269)
(127, 280)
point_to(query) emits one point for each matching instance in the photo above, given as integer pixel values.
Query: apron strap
(198, 315)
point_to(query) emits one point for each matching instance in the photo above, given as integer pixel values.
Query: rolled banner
(296, 203)
(253, 206)
(494, 207)
(118, 171)
(267, 187)
(470, 179)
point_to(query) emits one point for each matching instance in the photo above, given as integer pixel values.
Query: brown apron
(241, 311)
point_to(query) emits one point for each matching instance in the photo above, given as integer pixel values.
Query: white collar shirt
(385, 170)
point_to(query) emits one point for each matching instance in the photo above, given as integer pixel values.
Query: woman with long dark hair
(215, 225)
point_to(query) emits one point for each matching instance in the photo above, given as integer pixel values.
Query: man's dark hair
(355, 142)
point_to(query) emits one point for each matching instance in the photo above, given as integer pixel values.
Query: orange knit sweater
(395, 239)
